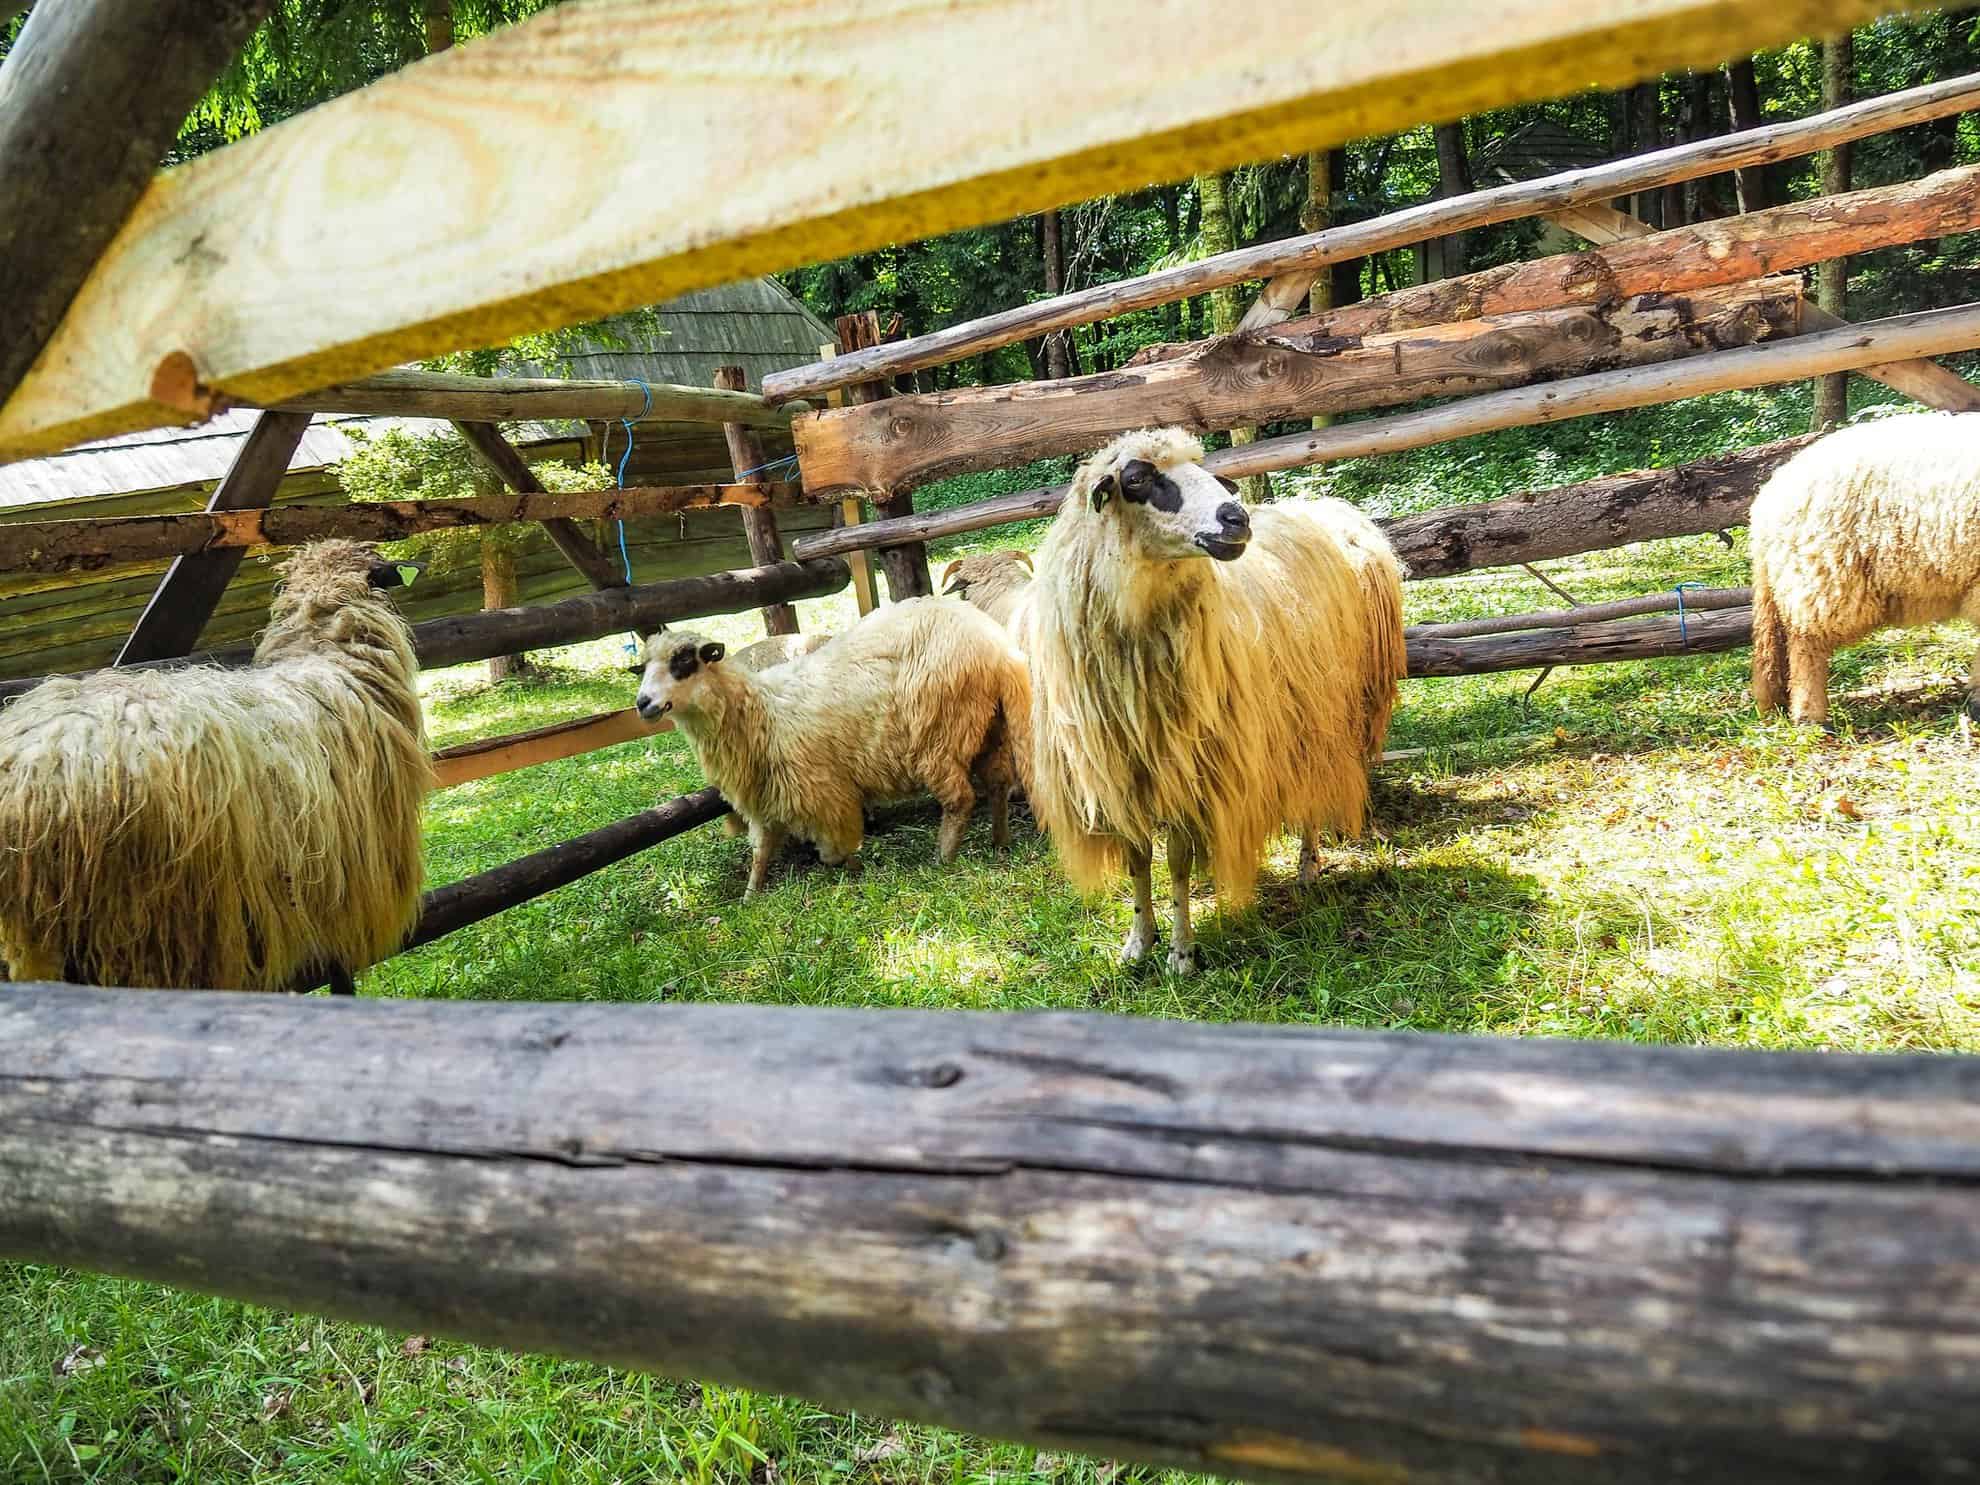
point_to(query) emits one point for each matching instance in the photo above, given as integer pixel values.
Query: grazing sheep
(224, 829)
(995, 582)
(917, 695)
(1205, 671)
(1873, 526)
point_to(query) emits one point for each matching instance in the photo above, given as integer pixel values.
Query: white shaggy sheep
(1204, 671)
(996, 582)
(223, 829)
(1873, 526)
(916, 695)
(765, 654)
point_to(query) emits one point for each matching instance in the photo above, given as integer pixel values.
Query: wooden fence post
(766, 545)
(906, 566)
(852, 511)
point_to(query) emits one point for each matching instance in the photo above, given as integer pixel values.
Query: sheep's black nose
(1232, 517)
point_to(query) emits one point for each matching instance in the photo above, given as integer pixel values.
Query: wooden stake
(906, 566)
(501, 456)
(766, 544)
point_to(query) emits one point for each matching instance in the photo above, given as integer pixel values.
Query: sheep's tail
(1388, 654)
(1770, 651)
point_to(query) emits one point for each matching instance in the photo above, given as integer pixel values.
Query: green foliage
(401, 465)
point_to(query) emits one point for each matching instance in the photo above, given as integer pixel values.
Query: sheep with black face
(917, 695)
(1204, 672)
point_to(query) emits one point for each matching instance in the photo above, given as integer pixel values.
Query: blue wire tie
(744, 474)
(1684, 636)
(646, 395)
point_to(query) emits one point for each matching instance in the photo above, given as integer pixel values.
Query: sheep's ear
(1104, 487)
(948, 573)
(1230, 486)
(1025, 558)
(711, 652)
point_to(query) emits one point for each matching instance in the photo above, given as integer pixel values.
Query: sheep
(224, 829)
(1873, 526)
(1204, 671)
(996, 582)
(920, 694)
(765, 653)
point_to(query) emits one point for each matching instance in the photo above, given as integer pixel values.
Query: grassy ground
(1628, 853)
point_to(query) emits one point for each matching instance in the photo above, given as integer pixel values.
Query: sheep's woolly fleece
(992, 581)
(1874, 525)
(1223, 699)
(910, 698)
(226, 829)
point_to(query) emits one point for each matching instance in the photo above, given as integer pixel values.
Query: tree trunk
(1345, 277)
(1453, 179)
(1058, 348)
(1317, 216)
(1220, 237)
(1832, 277)
(439, 24)
(498, 590)
(1172, 312)
(1647, 134)
(1743, 104)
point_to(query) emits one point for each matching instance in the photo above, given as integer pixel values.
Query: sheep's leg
(1182, 948)
(957, 798)
(839, 838)
(1141, 937)
(765, 842)
(1309, 858)
(1808, 680)
(1000, 815)
(1973, 688)
(340, 979)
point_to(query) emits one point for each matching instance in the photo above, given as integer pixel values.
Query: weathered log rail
(1266, 1252)
(89, 544)
(1536, 641)
(485, 399)
(509, 631)
(1292, 261)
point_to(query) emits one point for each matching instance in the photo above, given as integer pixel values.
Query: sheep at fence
(766, 653)
(224, 829)
(1873, 526)
(1216, 701)
(996, 582)
(918, 695)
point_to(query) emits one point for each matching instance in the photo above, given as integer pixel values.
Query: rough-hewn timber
(746, 457)
(92, 95)
(1269, 1252)
(1277, 375)
(1589, 643)
(85, 545)
(1286, 257)
(420, 173)
(483, 399)
(905, 565)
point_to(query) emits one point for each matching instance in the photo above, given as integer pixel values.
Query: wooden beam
(1689, 601)
(467, 762)
(1873, 343)
(486, 442)
(417, 257)
(1933, 332)
(1613, 511)
(495, 399)
(513, 631)
(88, 544)
(852, 511)
(1237, 381)
(746, 456)
(1313, 251)
(1580, 644)
(192, 586)
(92, 95)
(1272, 1252)
(1923, 381)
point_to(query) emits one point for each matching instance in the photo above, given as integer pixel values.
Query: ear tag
(408, 571)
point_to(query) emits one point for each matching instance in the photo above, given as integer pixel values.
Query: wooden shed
(76, 620)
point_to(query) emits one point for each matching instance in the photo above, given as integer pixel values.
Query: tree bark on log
(766, 542)
(92, 96)
(906, 566)
(1264, 1252)
(461, 638)
(91, 544)
(1281, 374)
(500, 399)
(1592, 643)
(1291, 262)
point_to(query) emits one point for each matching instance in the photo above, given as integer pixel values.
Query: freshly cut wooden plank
(92, 95)
(1415, 224)
(193, 585)
(480, 760)
(380, 227)
(86, 544)
(486, 399)
(1242, 380)
(1272, 1252)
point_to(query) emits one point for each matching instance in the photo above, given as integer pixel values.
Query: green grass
(1628, 853)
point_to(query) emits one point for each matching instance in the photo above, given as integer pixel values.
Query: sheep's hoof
(1971, 707)
(1137, 945)
(1183, 961)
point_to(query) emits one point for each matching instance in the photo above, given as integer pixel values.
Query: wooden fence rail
(1295, 258)
(1267, 1252)
(88, 543)
(482, 399)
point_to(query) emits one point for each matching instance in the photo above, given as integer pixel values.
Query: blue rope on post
(1684, 635)
(646, 406)
(744, 474)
